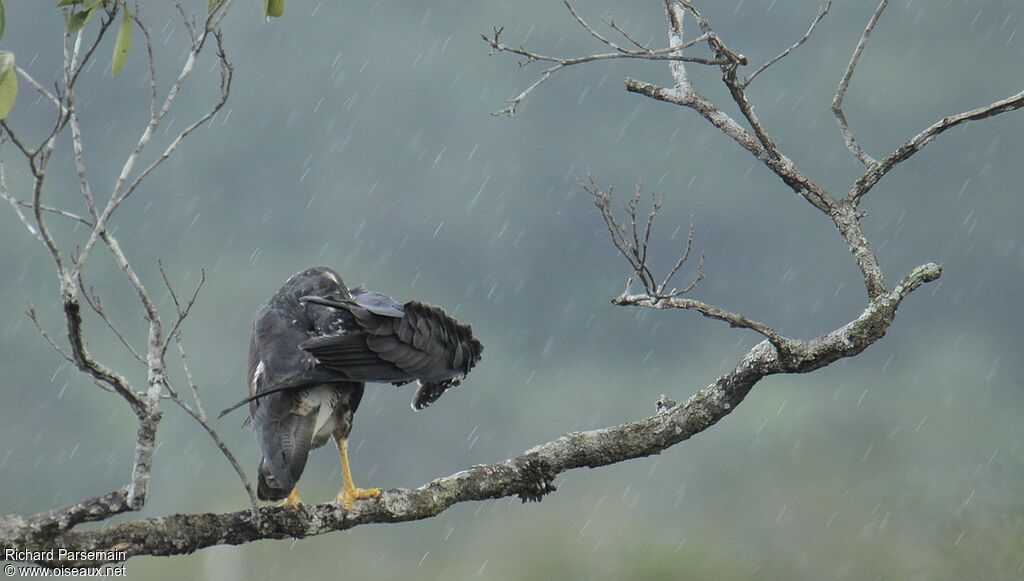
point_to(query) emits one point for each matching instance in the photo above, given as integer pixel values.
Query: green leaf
(8, 83)
(68, 2)
(213, 4)
(273, 8)
(3, 20)
(123, 43)
(83, 16)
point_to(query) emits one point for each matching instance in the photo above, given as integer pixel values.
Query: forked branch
(844, 84)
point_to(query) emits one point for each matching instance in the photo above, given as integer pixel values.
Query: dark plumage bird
(314, 345)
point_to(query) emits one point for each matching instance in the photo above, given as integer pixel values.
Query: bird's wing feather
(378, 304)
(425, 343)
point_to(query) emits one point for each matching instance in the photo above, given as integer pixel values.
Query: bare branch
(121, 191)
(844, 83)
(919, 141)
(150, 59)
(199, 416)
(594, 33)
(529, 476)
(782, 166)
(807, 35)
(56, 212)
(16, 204)
(75, 68)
(31, 312)
(27, 151)
(665, 54)
(679, 264)
(84, 361)
(40, 89)
(227, 72)
(611, 24)
(92, 298)
(182, 310)
(709, 311)
(80, 167)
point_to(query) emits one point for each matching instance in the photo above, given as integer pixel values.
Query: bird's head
(318, 281)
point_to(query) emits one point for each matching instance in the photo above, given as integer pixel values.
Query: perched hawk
(315, 344)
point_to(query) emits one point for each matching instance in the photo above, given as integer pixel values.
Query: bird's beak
(324, 301)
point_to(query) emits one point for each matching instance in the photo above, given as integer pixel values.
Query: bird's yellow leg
(349, 493)
(293, 500)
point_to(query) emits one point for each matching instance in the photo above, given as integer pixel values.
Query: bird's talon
(349, 496)
(293, 500)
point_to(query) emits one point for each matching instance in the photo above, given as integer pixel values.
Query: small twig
(807, 35)
(150, 59)
(14, 202)
(611, 24)
(782, 344)
(588, 28)
(27, 151)
(56, 211)
(679, 264)
(40, 89)
(189, 21)
(844, 83)
(664, 54)
(200, 418)
(182, 310)
(715, 43)
(76, 69)
(193, 386)
(94, 302)
(31, 312)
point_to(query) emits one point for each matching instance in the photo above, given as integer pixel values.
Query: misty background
(360, 136)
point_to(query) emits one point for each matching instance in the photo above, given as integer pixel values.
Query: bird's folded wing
(424, 343)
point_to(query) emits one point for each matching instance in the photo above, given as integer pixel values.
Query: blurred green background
(359, 136)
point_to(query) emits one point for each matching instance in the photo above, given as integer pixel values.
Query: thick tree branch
(529, 475)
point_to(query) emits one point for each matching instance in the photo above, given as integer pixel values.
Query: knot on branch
(664, 404)
(536, 478)
(923, 274)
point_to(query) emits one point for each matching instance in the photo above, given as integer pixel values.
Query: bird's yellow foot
(349, 495)
(293, 500)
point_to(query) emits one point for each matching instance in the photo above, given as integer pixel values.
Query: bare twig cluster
(634, 241)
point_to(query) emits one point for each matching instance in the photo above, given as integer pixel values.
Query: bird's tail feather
(265, 490)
